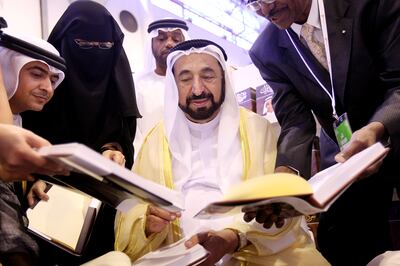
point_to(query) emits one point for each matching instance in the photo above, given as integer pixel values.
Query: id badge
(342, 130)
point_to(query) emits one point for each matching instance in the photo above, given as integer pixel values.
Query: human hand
(18, 157)
(285, 169)
(115, 156)
(270, 214)
(37, 193)
(157, 219)
(218, 243)
(267, 215)
(360, 140)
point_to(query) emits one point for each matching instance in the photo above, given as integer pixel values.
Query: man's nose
(197, 87)
(266, 8)
(169, 43)
(47, 86)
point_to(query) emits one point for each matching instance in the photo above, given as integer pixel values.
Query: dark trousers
(356, 227)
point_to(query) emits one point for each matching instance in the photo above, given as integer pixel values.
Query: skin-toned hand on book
(37, 192)
(362, 139)
(18, 157)
(218, 243)
(269, 214)
(157, 219)
(115, 156)
(266, 215)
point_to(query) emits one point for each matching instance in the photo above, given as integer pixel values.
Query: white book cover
(107, 180)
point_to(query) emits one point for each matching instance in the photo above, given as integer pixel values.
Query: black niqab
(96, 103)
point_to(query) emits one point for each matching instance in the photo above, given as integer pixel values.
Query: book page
(60, 218)
(174, 254)
(319, 178)
(334, 180)
(266, 186)
(287, 206)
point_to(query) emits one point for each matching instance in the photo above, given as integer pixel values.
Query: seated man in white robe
(205, 145)
(163, 35)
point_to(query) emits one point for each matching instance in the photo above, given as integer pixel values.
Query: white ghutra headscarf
(12, 62)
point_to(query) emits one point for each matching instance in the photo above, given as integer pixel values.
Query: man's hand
(360, 140)
(266, 215)
(115, 156)
(37, 193)
(157, 219)
(218, 243)
(18, 157)
(269, 214)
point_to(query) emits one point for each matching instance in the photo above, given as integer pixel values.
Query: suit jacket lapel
(290, 54)
(340, 36)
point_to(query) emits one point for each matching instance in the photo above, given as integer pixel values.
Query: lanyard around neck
(328, 58)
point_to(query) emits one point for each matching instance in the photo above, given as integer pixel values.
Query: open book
(67, 226)
(173, 255)
(291, 194)
(106, 180)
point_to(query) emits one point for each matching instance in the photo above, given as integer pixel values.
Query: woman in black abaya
(95, 104)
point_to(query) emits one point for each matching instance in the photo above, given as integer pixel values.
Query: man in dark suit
(360, 77)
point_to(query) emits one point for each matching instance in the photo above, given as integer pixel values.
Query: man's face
(201, 88)
(163, 43)
(35, 87)
(283, 13)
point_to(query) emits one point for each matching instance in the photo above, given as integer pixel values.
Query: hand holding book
(157, 219)
(270, 214)
(218, 243)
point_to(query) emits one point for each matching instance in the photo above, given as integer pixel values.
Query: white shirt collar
(313, 18)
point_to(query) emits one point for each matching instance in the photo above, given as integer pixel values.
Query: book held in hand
(106, 180)
(174, 255)
(292, 195)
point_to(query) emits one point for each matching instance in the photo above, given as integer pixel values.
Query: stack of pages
(174, 255)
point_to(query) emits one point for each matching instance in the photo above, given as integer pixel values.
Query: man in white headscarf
(31, 72)
(164, 34)
(204, 146)
(29, 82)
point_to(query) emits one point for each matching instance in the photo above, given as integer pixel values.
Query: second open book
(292, 194)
